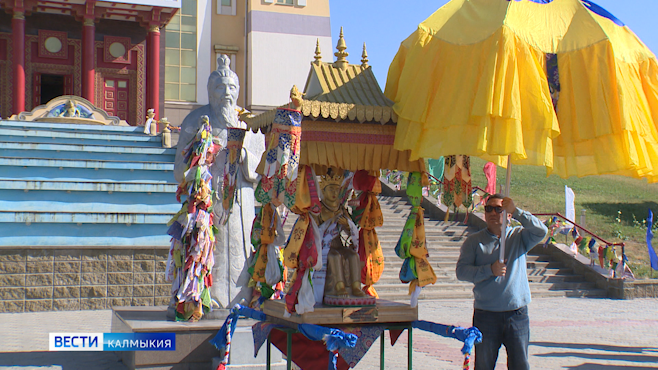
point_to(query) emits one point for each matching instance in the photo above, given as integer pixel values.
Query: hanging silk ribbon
(235, 138)
(457, 188)
(302, 252)
(282, 155)
(411, 246)
(279, 165)
(266, 227)
(368, 215)
(191, 258)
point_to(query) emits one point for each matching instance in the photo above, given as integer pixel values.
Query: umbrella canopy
(555, 83)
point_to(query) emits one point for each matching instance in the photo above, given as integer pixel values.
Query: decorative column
(88, 64)
(153, 70)
(18, 61)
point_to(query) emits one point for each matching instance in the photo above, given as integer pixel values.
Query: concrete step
(86, 175)
(81, 163)
(36, 134)
(155, 142)
(74, 236)
(468, 287)
(92, 186)
(69, 126)
(86, 148)
(87, 202)
(94, 156)
(436, 258)
(83, 218)
(437, 295)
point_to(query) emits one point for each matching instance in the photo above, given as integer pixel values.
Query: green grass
(602, 197)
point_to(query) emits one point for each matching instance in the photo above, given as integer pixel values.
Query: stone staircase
(65, 185)
(83, 214)
(547, 278)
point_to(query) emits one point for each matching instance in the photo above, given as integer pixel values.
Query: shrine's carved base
(349, 301)
(383, 311)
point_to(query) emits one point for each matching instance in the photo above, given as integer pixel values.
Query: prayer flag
(570, 199)
(652, 254)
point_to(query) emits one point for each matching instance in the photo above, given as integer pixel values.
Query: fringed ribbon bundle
(267, 238)
(411, 246)
(234, 140)
(457, 187)
(278, 185)
(191, 259)
(302, 252)
(279, 165)
(368, 215)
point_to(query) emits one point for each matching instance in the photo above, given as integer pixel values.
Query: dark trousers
(509, 328)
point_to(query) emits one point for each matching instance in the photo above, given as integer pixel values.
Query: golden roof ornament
(364, 57)
(341, 54)
(296, 97)
(318, 55)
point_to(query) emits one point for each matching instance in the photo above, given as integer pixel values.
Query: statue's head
(223, 84)
(331, 185)
(150, 112)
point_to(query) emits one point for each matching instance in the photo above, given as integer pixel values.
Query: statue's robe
(233, 249)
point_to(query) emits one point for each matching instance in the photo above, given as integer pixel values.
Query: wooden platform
(383, 312)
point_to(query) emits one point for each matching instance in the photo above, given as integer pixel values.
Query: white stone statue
(150, 119)
(233, 248)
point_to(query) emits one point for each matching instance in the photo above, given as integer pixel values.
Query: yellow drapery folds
(369, 215)
(499, 103)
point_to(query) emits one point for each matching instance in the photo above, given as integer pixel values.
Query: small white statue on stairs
(151, 124)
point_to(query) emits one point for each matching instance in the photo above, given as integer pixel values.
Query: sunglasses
(491, 208)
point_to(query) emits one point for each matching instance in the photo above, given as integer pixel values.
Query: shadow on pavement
(599, 347)
(62, 360)
(590, 366)
(605, 357)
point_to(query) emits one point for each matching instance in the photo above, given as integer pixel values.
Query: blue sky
(383, 24)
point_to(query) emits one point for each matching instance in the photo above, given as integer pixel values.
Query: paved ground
(566, 333)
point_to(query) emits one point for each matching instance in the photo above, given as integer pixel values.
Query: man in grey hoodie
(501, 289)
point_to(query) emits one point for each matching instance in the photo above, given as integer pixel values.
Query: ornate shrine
(324, 153)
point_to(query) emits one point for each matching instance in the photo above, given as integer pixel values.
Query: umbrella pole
(501, 256)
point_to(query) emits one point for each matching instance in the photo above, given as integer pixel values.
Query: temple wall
(81, 279)
(282, 47)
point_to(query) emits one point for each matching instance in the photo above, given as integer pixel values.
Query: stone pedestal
(193, 348)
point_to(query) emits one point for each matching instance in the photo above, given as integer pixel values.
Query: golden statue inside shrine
(70, 110)
(343, 267)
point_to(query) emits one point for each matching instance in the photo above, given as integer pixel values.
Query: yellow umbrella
(473, 80)
(555, 83)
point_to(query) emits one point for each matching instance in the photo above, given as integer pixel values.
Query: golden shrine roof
(337, 91)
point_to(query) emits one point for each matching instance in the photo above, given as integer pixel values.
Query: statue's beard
(224, 112)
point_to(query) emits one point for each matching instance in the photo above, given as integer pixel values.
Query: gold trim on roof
(328, 110)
